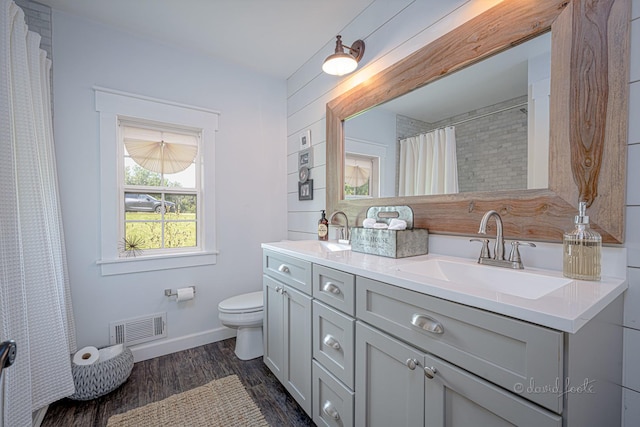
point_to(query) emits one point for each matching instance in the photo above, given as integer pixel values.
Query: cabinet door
(273, 326)
(456, 398)
(388, 391)
(297, 346)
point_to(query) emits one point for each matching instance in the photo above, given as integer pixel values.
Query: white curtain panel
(428, 164)
(35, 300)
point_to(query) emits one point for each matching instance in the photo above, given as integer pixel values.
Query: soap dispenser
(323, 228)
(582, 249)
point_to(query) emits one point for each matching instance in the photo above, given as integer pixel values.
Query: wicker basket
(101, 378)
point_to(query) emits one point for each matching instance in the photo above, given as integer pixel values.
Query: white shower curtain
(35, 300)
(428, 164)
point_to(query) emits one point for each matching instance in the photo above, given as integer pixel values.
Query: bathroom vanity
(359, 339)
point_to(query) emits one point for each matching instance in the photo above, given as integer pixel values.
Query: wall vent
(138, 329)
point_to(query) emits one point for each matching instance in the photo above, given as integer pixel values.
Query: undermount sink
(512, 282)
(321, 246)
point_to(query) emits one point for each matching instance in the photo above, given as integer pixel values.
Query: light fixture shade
(339, 64)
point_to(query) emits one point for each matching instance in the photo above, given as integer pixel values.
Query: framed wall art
(305, 139)
(305, 158)
(305, 190)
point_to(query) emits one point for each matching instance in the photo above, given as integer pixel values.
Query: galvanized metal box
(390, 243)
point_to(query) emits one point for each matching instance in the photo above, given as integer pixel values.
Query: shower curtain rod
(476, 117)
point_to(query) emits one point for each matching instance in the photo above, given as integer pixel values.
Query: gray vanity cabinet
(287, 326)
(356, 351)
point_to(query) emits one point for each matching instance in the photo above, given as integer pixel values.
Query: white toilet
(245, 312)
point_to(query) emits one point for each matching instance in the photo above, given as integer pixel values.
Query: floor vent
(139, 329)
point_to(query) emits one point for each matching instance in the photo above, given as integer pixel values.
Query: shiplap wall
(631, 371)
(391, 31)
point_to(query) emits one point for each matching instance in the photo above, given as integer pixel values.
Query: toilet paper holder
(170, 293)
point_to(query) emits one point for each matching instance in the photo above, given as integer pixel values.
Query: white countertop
(566, 309)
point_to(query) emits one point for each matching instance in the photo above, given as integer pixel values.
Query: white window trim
(111, 104)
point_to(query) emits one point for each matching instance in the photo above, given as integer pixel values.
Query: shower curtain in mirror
(428, 164)
(35, 300)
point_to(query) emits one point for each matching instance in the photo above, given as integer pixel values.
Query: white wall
(250, 176)
(631, 380)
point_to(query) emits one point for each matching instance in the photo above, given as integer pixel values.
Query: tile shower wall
(631, 367)
(491, 147)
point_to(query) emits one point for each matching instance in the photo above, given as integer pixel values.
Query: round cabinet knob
(430, 372)
(412, 363)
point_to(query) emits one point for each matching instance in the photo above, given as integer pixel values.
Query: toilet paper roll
(185, 294)
(110, 352)
(86, 356)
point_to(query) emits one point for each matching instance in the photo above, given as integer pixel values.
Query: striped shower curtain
(428, 164)
(35, 300)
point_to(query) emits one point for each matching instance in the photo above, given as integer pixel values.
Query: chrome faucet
(515, 261)
(344, 233)
(498, 248)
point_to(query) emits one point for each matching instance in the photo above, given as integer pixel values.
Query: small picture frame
(305, 158)
(305, 190)
(305, 139)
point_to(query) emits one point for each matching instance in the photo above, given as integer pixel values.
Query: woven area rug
(222, 402)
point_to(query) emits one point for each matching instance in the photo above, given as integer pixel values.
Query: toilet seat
(245, 303)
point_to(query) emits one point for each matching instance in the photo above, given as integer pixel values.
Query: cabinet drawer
(335, 288)
(292, 271)
(508, 352)
(332, 401)
(333, 341)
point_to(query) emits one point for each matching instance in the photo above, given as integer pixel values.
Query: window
(361, 176)
(156, 159)
(160, 188)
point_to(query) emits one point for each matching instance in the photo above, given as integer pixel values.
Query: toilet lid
(245, 302)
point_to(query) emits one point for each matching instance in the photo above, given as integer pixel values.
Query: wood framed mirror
(588, 119)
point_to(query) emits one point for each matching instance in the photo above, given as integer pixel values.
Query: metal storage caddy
(390, 243)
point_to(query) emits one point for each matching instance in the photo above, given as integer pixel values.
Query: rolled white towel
(397, 224)
(368, 223)
(380, 226)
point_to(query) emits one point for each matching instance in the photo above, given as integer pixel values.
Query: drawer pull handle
(412, 363)
(427, 323)
(430, 372)
(328, 409)
(283, 268)
(330, 341)
(330, 287)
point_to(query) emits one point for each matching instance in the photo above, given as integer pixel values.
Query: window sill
(112, 267)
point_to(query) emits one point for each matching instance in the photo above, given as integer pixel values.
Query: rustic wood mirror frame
(588, 119)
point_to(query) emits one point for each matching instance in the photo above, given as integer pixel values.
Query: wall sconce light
(341, 63)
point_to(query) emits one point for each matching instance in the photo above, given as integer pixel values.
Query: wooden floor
(156, 379)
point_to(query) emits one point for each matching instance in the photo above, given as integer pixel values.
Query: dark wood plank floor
(156, 379)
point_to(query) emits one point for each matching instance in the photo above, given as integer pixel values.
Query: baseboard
(167, 346)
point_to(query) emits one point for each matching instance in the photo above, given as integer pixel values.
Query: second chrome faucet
(498, 260)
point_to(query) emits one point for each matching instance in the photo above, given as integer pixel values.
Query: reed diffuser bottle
(582, 249)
